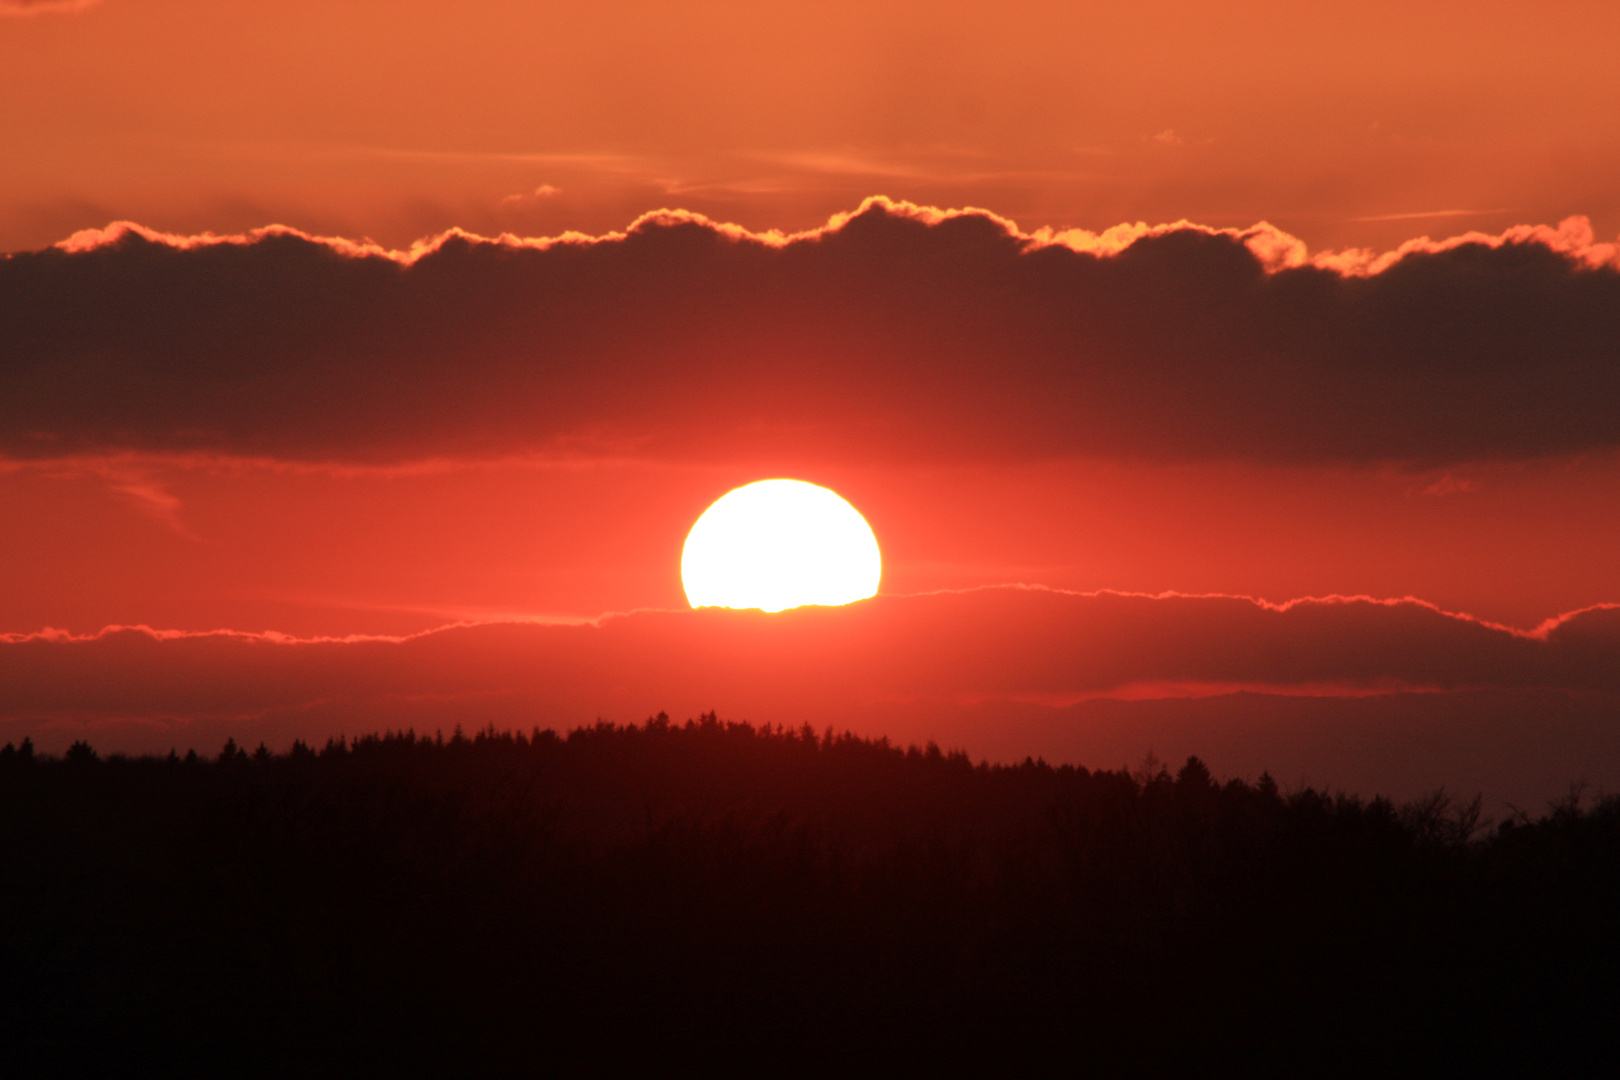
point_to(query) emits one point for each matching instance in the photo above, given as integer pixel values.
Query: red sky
(357, 436)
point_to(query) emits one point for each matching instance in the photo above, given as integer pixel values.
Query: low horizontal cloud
(1390, 696)
(1010, 643)
(896, 332)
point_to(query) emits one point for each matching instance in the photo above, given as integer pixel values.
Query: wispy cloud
(22, 9)
(1423, 214)
(544, 191)
(284, 150)
(149, 496)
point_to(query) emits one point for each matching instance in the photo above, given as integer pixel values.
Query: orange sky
(1346, 123)
(345, 436)
(306, 437)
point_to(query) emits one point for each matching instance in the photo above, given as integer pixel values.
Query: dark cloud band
(893, 333)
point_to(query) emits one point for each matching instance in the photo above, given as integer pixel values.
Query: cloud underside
(895, 333)
(1008, 643)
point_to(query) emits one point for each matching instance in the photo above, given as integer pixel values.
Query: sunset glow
(444, 454)
(779, 544)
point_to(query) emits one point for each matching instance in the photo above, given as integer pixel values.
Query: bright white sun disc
(779, 544)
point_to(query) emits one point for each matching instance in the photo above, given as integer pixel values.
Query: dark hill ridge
(747, 895)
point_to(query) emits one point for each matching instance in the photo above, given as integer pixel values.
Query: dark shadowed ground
(774, 902)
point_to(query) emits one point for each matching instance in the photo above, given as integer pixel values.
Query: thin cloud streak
(23, 9)
(281, 151)
(1422, 215)
(155, 501)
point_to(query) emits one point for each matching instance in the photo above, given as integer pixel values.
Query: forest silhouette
(770, 899)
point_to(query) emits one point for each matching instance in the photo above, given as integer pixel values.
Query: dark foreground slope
(764, 900)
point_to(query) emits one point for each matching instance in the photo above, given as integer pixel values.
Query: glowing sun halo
(779, 544)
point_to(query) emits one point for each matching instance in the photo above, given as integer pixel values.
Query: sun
(778, 544)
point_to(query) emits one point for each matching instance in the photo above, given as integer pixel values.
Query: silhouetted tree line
(762, 898)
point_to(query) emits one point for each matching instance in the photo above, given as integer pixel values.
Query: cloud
(1447, 484)
(895, 332)
(1426, 215)
(544, 191)
(1012, 643)
(26, 8)
(1378, 694)
(151, 497)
